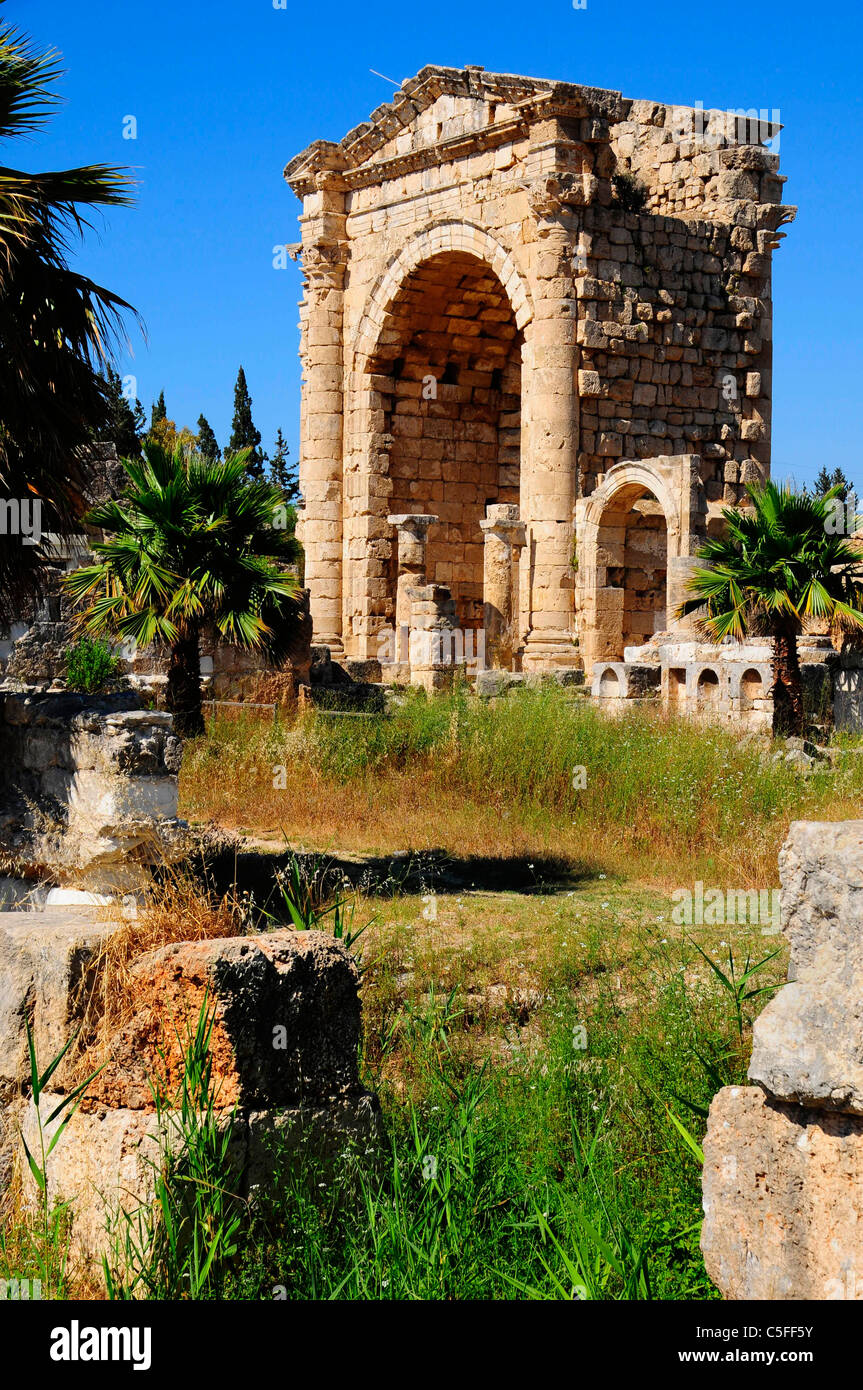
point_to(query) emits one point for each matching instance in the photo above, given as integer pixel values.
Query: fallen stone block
(807, 1042)
(286, 1021)
(783, 1199)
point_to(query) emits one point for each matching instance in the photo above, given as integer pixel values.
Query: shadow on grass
(395, 875)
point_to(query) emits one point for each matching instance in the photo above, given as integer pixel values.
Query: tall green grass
(663, 787)
(555, 1173)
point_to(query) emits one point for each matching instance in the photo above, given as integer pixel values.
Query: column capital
(417, 523)
(502, 519)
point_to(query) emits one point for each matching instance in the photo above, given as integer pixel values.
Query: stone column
(324, 258)
(432, 645)
(503, 536)
(411, 539)
(550, 434)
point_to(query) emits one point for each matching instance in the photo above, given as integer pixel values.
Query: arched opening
(447, 368)
(632, 564)
(707, 690)
(609, 684)
(751, 687)
(677, 685)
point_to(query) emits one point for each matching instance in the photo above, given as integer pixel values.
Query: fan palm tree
(777, 567)
(56, 325)
(191, 542)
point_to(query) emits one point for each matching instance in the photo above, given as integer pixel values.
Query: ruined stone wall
(675, 339)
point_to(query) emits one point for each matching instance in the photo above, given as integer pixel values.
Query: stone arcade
(536, 341)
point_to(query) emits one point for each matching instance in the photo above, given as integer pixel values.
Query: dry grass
(179, 909)
(666, 802)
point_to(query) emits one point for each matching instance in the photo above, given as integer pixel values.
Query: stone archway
(448, 371)
(633, 540)
(635, 535)
(434, 420)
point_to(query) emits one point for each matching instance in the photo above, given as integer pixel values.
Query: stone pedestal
(432, 643)
(504, 537)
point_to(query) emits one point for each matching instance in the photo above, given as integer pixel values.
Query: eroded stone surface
(287, 1021)
(46, 974)
(783, 1199)
(90, 797)
(808, 1042)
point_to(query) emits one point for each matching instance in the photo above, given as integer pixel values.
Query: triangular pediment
(441, 104)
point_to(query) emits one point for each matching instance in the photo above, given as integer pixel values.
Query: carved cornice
(534, 99)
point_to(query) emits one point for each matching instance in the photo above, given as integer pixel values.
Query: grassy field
(543, 1033)
(665, 801)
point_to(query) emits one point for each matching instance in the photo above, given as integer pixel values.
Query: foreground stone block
(287, 1021)
(104, 1162)
(808, 1042)
(783, 1199)
(47, 961)
(285, 1073)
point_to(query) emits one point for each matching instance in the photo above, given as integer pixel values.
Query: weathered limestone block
(103, 1162)
(287, 1019)
(92, 787)
(46, 973)
(284, 1052)
(783, 1199)
(808, 1042)
(624, 680)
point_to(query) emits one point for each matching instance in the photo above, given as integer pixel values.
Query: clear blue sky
(226, 91)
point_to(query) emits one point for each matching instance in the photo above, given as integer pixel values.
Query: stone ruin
(783, 1171)
(284, 1047)
(89, 799)
(533, 295)
(536, 336)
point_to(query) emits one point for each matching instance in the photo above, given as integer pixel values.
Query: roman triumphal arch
(535, 336)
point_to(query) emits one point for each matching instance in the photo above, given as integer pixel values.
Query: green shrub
(92, 667)
(629, 194)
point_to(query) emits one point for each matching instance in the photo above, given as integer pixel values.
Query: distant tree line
(127, 429)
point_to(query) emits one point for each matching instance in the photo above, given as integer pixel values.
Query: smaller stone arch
(708, 686)
(609, 683)
(435, 240)
(672, 482)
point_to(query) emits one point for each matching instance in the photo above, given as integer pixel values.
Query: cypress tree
(159, 411)
(243, 432)
(282, 473)
(207, 444)
(826, 480)
(125, 425)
